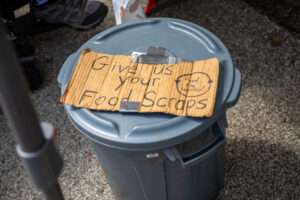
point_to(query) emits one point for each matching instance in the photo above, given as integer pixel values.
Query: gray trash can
(159, 156)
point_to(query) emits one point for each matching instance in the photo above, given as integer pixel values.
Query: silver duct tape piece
(158, 51)
(154, 55)
(137, 57)
(174, 60)
(152, 59)
(130, 106)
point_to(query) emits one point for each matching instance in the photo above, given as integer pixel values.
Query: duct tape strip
(130, 106)
(159, 51)
(154, 55)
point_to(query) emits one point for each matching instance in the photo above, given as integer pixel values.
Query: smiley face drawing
(193, 85)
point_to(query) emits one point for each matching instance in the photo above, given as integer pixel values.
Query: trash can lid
(134, 131)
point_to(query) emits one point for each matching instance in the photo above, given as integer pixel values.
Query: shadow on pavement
(256, 170)
(283, 12)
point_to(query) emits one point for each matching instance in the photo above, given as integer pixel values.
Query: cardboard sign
(112, 82)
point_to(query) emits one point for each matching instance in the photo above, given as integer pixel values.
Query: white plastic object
(127, 10)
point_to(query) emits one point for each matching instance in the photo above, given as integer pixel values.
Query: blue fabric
(41, 2)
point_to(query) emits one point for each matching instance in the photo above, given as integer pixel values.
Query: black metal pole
(38, 153)
(15, 100)
(53, 193)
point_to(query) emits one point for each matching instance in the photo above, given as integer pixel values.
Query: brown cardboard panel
(101, 82)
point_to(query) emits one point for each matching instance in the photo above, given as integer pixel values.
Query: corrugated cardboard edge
(215, 93)
(86, 50)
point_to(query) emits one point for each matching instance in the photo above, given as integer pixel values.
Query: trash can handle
(173, 154)
(236, 90)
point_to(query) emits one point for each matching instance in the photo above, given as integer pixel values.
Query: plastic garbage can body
(158, 156)
(134, 175)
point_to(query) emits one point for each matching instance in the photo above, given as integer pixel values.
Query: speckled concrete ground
(263, 146)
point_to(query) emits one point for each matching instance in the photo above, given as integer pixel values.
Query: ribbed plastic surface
(153, 131)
